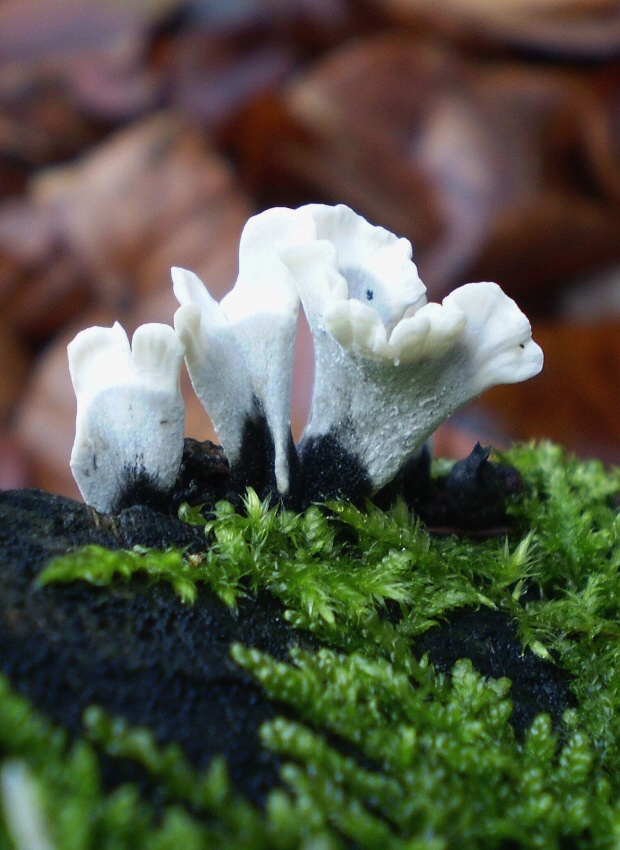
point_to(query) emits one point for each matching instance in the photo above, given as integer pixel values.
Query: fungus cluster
(389, 367)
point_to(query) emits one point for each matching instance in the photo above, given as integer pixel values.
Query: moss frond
(436, 762)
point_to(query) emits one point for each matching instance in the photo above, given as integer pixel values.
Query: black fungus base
(470, 500)
(330, 472)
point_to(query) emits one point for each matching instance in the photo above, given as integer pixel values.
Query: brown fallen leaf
(16, 361)
(15, 472)
(566, 28)
(124, 197)
(93, 51)
(108, 227)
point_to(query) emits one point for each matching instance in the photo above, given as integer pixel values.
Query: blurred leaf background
(138, 135)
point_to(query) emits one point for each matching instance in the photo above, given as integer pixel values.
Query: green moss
(200, 810)
(444, 768)
(384, 750)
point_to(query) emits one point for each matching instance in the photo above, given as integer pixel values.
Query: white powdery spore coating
(215, 360)
(389, 366)
(239, 353)
(130, 412)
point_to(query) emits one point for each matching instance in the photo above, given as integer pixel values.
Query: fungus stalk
(239, 353)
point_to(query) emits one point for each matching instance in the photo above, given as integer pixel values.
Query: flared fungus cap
(130, 412)
(389, 366)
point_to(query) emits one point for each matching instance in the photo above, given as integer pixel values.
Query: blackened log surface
(203, 475)
(489, 638)
(134, 649)
(139, 652)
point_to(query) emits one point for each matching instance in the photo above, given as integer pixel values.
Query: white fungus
(390, 367)
(130, 412)
(239, 353)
